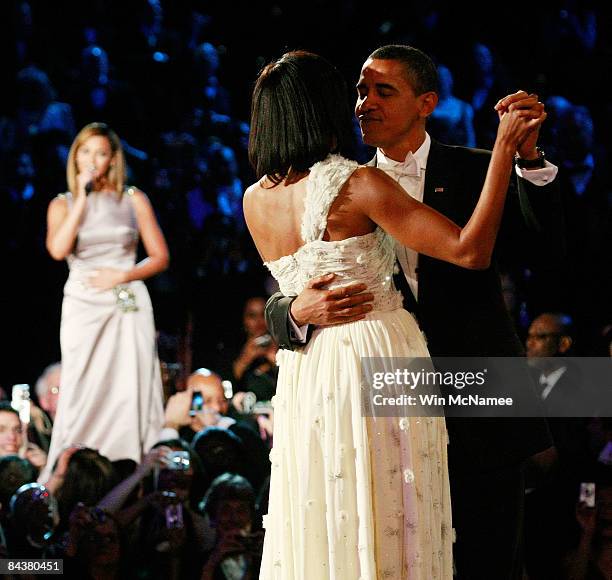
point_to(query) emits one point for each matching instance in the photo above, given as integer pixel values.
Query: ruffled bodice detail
(368, 258)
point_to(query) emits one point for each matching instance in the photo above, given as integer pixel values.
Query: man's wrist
(531, 161)
(529, 155)
(296, 320)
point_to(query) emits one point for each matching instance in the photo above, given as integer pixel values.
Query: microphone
(90, 184)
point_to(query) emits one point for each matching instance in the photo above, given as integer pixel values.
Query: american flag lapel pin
(438, 189)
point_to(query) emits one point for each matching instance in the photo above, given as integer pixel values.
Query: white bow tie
(407, 168)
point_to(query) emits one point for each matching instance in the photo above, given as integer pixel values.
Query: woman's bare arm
(63, 225)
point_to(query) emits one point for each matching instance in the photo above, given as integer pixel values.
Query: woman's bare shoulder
(366, 179)
(252, 190)
(140, 200)
(136, 194)
(59, 203)
(369, 173)
(256, 193)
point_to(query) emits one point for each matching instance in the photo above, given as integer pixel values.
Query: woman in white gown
(351, 496)
(111, 397)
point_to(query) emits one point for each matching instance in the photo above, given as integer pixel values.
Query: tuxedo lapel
(438, 189)
(438, 194)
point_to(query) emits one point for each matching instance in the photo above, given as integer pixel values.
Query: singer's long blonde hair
(116, 172)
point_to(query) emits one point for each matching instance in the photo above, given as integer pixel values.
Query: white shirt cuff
(297, 333)
(539, 177)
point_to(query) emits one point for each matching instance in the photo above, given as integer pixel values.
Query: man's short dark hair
(420, 69)
(300, 113)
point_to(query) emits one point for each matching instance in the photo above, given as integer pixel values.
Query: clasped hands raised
(520, 117)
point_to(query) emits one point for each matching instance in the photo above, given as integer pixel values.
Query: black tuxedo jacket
(462, 312)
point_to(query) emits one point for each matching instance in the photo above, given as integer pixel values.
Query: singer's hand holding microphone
(87, 180)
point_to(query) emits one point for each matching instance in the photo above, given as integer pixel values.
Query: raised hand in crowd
(113, 501)
(35, 455)
(57, 477)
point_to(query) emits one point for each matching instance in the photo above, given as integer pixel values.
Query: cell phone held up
(173, 510)
(587, 494)
(197, 403)
(177, 460)
(20, 401)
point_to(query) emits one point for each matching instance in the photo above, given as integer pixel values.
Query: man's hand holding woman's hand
(529, 114)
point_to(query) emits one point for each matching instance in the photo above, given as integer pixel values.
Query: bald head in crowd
(47, 388)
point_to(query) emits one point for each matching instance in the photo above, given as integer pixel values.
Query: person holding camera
(230, 504)
(13, 440)
(203, 407)
(172, 535)
(591, 556)
(93, 543)
(254, 369)
(203, 404)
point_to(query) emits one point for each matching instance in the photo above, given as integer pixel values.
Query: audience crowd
(174, 80)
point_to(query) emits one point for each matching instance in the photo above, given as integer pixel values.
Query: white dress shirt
(548, 382)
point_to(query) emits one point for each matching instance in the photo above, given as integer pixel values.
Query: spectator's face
(11, 437)
(212, 391)
(390, 114)
(543, 337)
(94, 156)
(254, 320)
(214, 397)
(177, 480)
(48, 400)
(233, 514)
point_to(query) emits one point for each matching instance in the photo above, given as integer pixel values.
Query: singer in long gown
(111, 392)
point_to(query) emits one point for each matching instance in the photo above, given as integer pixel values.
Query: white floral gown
(351, 497)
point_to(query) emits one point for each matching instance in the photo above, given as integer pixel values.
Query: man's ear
(429, 101)
(565, 344)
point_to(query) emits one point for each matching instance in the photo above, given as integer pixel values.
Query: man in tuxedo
(549, 508)
(549, 339)
(461, 311)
